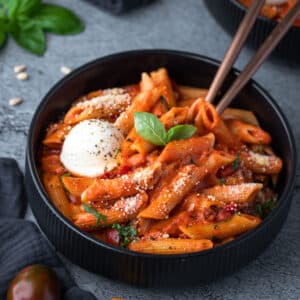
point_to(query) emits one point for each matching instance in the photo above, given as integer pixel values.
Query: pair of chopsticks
(236, 46)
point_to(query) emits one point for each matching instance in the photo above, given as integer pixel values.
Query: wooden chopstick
(234, 49)
(262, 53)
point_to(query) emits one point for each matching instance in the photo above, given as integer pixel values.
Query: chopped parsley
(65, 175)
(99, 216)
(127, 234)
(164, 102)
(222, 181)
(236, 163)
(264, 209)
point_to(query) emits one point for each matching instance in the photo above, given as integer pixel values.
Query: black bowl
(230, 13)
(145, 269)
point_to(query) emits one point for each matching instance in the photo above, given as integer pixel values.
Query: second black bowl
(230, 13)
(146, 269)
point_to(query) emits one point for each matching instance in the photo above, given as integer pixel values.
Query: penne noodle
(123, 186)
(241, 193)
(170, 246)
(143, 101)
(236, 225)
(52, 164)
(169, 226)
(215, 124)
(193, 148)
(161, 79)
(56, 192)
(146, 83)
(188, 92)
(197, 202)
(260, 163)
(76, 185)
(110, 103)
(58, 135)
(123, 210)
(243, 115)
(248, 133)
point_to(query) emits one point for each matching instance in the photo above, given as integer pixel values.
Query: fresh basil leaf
(180, 132)
(58, 19)
(149, 127)
(99, 216)
(31, 38)
(2, 38)
(22, 7)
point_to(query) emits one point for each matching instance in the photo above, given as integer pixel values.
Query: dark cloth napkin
(21, 243)
(118, 6)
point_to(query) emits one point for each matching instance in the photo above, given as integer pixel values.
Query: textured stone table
(184, 25)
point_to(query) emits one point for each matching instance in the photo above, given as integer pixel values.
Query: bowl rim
(34, 174)
(260, 17)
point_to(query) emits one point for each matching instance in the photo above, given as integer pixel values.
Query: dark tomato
(112, 237)
(36, 282)
(227, 171)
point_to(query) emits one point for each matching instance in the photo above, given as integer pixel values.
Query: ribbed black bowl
(145, 269)
(229, 14)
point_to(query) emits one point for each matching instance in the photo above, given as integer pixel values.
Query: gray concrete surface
(183, 25)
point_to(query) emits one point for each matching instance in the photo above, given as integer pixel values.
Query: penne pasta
(260, 163)
(188, 92)
(193, 148)
(76, 185)
(143, 101)
(106, 106)
(170, 246)
(248, 133)
(245, 116)
(161, 79)
(234, 226)
(56, 192)
(169, 226)
(240, 193)
(123, 186)
(123, 210)
(57, 135)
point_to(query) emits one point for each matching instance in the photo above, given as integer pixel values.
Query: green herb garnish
(164, 102)
(222, 181)
(264, 209)
(149, 127)
(65, 175)
(236, 163)
(99, 216)
(28, 20)
(127, 234)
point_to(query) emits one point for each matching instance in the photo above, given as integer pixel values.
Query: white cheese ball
(91, 147)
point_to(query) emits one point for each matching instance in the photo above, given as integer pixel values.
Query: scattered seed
(20, 68)
(15, 101)
(22, 76)
(65, 70)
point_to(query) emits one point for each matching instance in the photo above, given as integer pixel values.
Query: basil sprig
(28, 20)
(149, 127)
